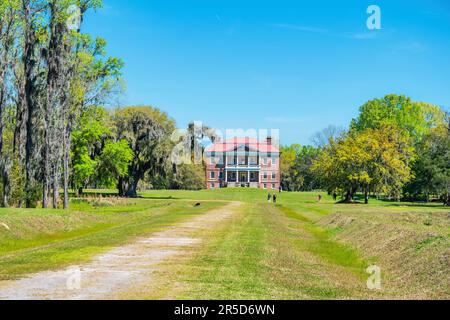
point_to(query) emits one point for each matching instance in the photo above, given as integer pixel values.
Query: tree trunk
(131, 191)
(66, 166)
(447, 200)
(366, 196)
(66, 185)
(349, 196)
(6, 187)
(45, 191)
(55, 191)
(30, 64)
(46, 175)
(2, 160)
(128, 187)
(56, 107)
(120, 187)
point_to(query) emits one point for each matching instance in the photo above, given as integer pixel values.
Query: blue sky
(297, 66)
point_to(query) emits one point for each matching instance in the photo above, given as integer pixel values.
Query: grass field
(297, 249)
(45, 239)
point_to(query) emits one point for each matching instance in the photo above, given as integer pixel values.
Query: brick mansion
(243, 163)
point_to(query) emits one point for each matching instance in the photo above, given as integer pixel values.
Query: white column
(248, 176)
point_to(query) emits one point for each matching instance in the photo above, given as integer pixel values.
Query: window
(213, 175)
(274, 161)
(231, 160)
(265, 176)
(213, 185)
(265, 186)
(253, 161)
(274, 176)
(273, 186)
(241, 161)
(264, 161)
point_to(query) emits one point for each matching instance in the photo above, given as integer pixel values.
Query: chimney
(269, 141)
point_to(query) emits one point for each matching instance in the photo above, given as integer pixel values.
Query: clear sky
(297, 66)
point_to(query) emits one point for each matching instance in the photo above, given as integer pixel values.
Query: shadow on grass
(116, 195)
(160, 198)
(359, 199)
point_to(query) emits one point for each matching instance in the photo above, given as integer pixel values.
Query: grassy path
(39, 240)
(118, 270)
(263, 252)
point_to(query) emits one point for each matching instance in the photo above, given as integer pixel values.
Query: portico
(241, 176)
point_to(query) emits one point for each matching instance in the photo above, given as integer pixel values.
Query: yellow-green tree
(374, 160)
(417, 118)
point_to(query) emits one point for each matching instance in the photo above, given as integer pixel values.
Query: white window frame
(231, 163)
(212, 175)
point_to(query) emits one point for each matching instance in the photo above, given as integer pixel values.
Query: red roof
(252, 143)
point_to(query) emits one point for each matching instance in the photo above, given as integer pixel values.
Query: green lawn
(305, 249)
(297, 249)
(46, 239)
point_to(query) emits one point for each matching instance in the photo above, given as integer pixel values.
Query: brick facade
(243, 163)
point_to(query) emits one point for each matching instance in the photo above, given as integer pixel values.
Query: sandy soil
(119, 270)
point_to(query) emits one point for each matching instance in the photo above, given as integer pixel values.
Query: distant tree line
(129, 149)
(396, 148)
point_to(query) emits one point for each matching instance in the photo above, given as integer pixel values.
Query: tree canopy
(147, 131)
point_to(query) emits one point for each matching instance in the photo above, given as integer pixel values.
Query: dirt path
(115, 272)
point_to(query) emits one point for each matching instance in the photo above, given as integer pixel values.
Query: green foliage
(432, 168)
(93, 127)
(372, 160)
(147, 131)
(189, 177)
(113, 162)
(427, 125)
(296, 163)
(417, 118)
